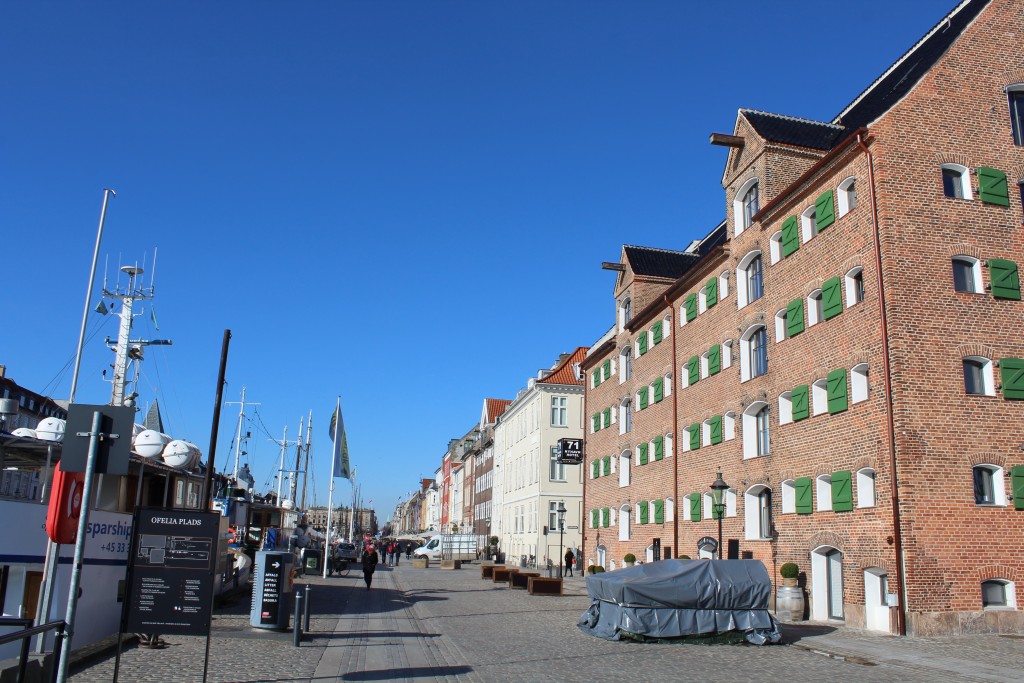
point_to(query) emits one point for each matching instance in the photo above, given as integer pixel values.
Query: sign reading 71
(570, 451)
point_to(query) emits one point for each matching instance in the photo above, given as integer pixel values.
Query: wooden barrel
(789, 603)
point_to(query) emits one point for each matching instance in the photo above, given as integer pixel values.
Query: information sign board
(570, 451)
(171, 570)
(113, 452)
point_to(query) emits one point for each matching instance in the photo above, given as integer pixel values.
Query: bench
(521, 579)
(487, 572)
(540, 585)
(502, 574)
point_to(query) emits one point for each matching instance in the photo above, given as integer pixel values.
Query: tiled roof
(565, 373)
(495, 407)
(658, 262)
(792, 131)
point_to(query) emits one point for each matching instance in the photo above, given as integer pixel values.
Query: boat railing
(25, 634)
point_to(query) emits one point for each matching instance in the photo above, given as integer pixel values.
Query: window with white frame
(749, 279)
(967, 275)
(723, 285)
(788, 496)
(978, 380)
(559, 411)
(666, 326)
(727, 354)
(729, 426)
(624, 459)
(956, 181)
(669, 450)
(730, 502)
(847, 196)
(625, 416)
(625, 313)
(753, 353)
(702, 300)
(859, 386)
(667, 384)
(626, 364)
(823, 491)
(808, 224)
(780, 325)
(704, 365)
(556, 471)
(1015, 94)
(866, 488)
(819, 397)
(775, 248)
(814, 308)
(854, 281)
(624, 523)
(989, 488)
(756, 437)
(745, 205)
(785, 407)
(998, 594)
(705, 432)
(757, 510)
(670, 510)
(707, 506)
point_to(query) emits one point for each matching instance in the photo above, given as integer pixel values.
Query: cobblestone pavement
(434, 625)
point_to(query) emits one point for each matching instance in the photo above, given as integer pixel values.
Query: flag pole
(330, 490)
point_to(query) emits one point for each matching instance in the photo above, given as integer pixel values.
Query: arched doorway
(827, 583)
(602, 556)
(876, 610)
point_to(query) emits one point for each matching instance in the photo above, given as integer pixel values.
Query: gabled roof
(790, 130)
(909, 69)
(565, 373)
(494, 407)
(658, 262)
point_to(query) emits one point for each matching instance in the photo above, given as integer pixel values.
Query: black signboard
(570, 451)
(171, 571)
(114, 451)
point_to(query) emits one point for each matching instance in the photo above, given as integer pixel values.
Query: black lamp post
(718, 490)
(561, 534)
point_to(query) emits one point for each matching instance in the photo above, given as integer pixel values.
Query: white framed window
(667, 384)
(1015, 95)
(702, 300)
(626, 363)
(705, 432)
(669, 450)
(723, 285)
(707, 503)
(745, 205)
(956, 181)
(989, 486)
(814, 308)
(785, 407)
(780, 325)
(642, 335)
(753, 353)
(756, 437)
(729, 426)
(998, 594)
(808, 224)
(823, 492)
(819, 397)
(704, 365)
(559, 411)
(854, 281)
(624, 459)
(775, 248)
(625, 313)
(556, 470)
(666, 326)
(866, 497)
(847, 196)
(749, 279)
(788, 496)
(730, 502)
(624, 523)
(859, 385)
(625, 416)
(727, 354)
(670, 510)
(967, 275)
(978, 380)
(757, 513)
(682, 314)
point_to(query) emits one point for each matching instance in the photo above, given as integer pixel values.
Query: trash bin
(311, 559)
(522, 560)
(271, 590)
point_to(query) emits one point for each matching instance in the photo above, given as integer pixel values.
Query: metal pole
(76, 568)
(297, 627)
(561, 536)
(721, 513)
(211, 459)
(280, 469)
(305, 608)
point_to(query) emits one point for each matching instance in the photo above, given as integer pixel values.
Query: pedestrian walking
(568, 562)
(408, 550)
(398, 552)
(370, 560)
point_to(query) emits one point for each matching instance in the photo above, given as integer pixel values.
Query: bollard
(305, 608)
(297, 629)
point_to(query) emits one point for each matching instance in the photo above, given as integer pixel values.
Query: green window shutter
(642, 343)
(642, 450)
(607, 368)
(606, 517)
(659, 512)
(607, 417)
(693, 370)
(825, 210)
(715, 359)
(794, 317)
(656, 332)
(691, 307)
(832, 297)
(1005, 279)
(644, 514)
(1011, 376)
(716, 429)
(711, 292)
(659, 390)
(838, 399)
(607, 460)
(643, 397)
(659, 447)
(597, 422)
(595, 469)
(694, 430)
(804, 496)
(1017, 486)
(842, 491)
(790, 236)
(992, 186)
(695, 510)
(801, 407)
(597, 377)
(595, 518)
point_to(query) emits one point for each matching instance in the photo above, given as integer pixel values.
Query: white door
(602, 556)
(835, 584)
(826, 584)
(876, 612)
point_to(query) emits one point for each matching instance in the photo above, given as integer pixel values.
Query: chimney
(3, 370)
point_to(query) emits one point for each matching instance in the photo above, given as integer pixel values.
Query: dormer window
(625, 313)
(746, 205)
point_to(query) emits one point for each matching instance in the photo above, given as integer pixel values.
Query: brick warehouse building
(845, 347)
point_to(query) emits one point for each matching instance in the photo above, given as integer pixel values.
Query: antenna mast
(241, 416)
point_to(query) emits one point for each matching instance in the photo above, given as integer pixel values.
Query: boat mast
(294, 488)
(280, 468)
(305, 467)
(238, 435)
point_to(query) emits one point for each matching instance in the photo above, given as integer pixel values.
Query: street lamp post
(718, 489)
(561, 535)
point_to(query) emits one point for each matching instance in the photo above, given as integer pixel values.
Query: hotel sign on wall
(570, 451)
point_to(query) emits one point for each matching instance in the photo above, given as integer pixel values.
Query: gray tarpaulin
(678, 598)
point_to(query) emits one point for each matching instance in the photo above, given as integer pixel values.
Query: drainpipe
(897, 536)
(675, 429)
(584, 469)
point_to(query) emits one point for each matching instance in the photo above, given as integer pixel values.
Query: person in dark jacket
(370, 561)
(569, 557)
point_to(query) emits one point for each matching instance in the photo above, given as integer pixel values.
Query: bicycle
(341, 567)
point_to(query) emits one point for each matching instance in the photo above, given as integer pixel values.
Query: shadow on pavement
(374, 634)
(409, 672)
(792, 633)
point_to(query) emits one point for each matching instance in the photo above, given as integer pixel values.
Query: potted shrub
(684, 557)
(790, 573)
(595, 569)
(789, 597)
(629, 559)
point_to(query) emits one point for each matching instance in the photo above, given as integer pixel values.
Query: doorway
(876, 609)
(827, 583)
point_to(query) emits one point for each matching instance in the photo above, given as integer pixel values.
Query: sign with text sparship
(570, 451)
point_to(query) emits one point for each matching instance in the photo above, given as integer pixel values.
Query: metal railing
(25, 634)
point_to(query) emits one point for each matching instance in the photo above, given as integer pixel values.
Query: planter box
(539, 585)
(451, 564)
(521, 579)
(420, 562)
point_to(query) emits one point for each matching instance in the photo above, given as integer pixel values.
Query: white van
(449, 546)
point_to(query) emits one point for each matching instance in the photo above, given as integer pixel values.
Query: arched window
(624, 459)
(727, 354)
(775, 248)
(745, 205)
(1015, 93)
(967, 275)
(625, 313)
(624, 523)
(702, 300)
(854, 280)
(753, 353)
(723, 285)
(823, 492)
(859, 386)
(998, 594)
(670, 510)
(626, 416)
(988, 485)
(730, 502)
(847, 196)
(757, 510)
(808, 223)
(756, 441)
(780, 325)
(749, 279)
(978, 379)
(626, 364)
(866, 488)
(705, 432)
(785, 407)
(788, 496)
(814, 308)
(704, 365)
(956, 181)
(729, 426)
(819, 397)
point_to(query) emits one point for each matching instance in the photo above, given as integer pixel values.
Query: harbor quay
(442, 625)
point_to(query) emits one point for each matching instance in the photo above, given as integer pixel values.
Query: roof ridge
(666, 251)
(792, 118)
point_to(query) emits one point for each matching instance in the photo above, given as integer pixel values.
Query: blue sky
(404, 203)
